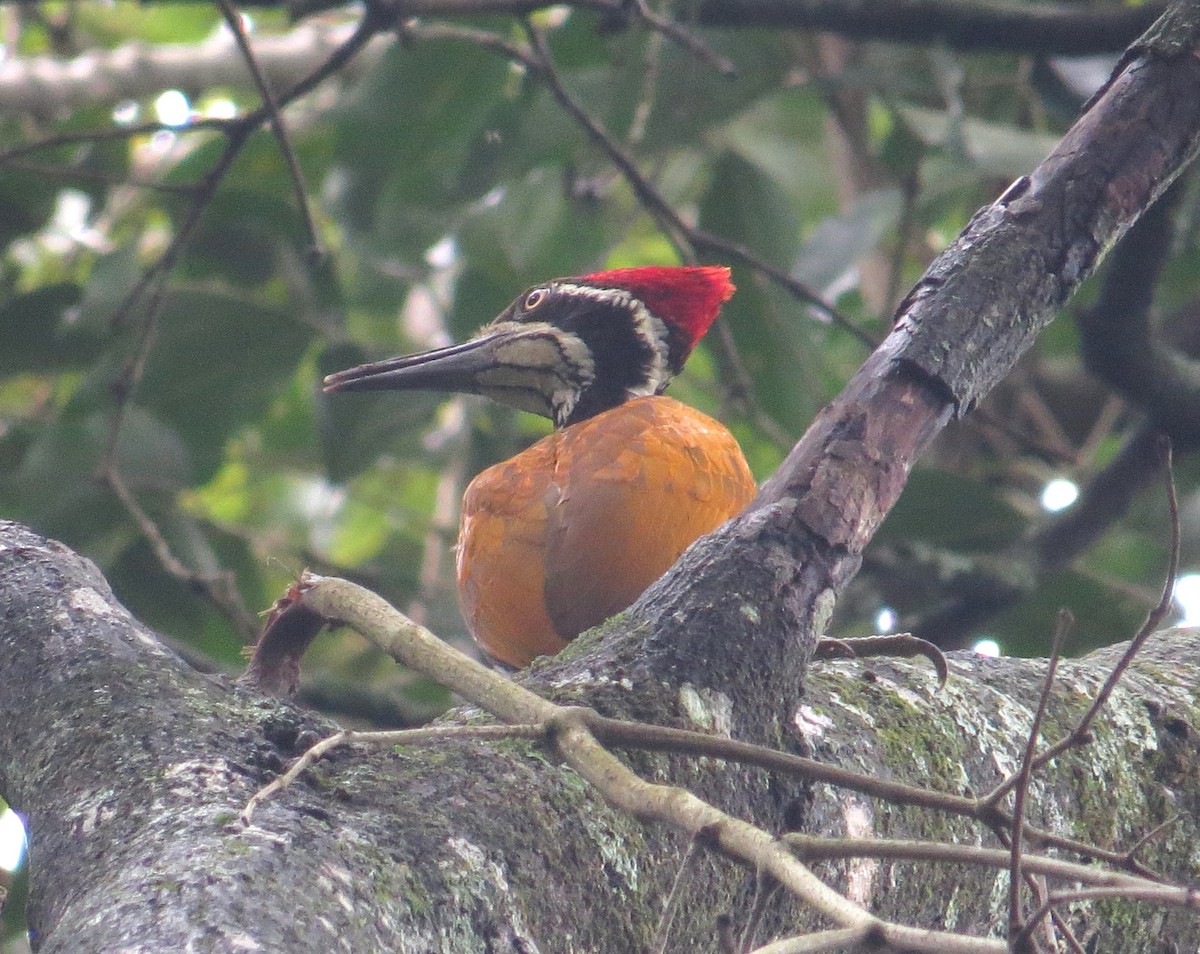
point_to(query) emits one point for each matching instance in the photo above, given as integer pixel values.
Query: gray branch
(131, 770)
(47, 86)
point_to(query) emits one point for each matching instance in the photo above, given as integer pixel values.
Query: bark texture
(745, 606)
(131, 770)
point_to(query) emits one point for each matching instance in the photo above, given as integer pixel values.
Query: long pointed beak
(456, 368)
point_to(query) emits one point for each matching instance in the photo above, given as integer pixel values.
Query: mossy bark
(131, 770)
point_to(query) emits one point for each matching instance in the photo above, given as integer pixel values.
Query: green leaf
(52, 486)
(179, 23)
(949, 510)
(406, 136)
(839, 241)
(355, 429)
(995, 149)
(218, 363)
(26, 204)
(38, 332)
(782, 135)
(112, 277)
(241, 236)
(779, 345)
(533, 232)
(746, 206)
(1103, 615)
(171, 606)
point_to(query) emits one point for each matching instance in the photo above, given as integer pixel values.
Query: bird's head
(569, 348)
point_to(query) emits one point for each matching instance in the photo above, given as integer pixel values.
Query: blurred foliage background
(444, 178)
(164, 417)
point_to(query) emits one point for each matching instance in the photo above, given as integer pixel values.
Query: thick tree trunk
(131, 770)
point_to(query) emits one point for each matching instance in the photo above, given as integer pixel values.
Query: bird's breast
(573, 529)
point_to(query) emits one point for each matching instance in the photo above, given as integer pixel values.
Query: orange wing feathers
(572, 530)
(501, 548)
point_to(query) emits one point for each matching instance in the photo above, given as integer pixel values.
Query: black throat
(633, 354)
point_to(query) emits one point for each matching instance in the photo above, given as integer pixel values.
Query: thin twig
(74, 174)
(718, 246)
(233, 19)
(651, 74)
(685, 39)
(1153, 833)
(205, 189)
(816, 848)
(739, 387)
(619, 786)
(654, 738)
(1061, 628)
(765, 888)
(151, 286)
(77, 137)
(683, 236)
(686, 238)
(1080, 734)
(422, 736)
(153, 283)
(220, 588)
(1065, 932)
(1153, 894)
(541, 61)
(683, 873)
(237, 133)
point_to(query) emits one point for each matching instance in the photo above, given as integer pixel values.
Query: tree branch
(46, 85)
(379, 849)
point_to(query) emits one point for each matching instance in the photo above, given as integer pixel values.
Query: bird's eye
(533, 299)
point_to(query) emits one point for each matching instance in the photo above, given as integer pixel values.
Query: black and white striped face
(566, 350)
(578, 349)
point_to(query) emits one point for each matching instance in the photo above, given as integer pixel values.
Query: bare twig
(572, 736)
(151, 288)
(685, 237)
(74, 174)
(1062, 627)
(221, 588)
(687, 864)
(685, 39)
(233, 19)
(1153, 894)
(652, 201)
(814, 848)
(765, 888)
(1152, 834)
(655, 738)
(152, 283)
(422, 736)
(76, 137)
(719, 246)
(1081, 732)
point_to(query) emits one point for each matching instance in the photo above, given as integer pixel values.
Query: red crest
(686, 297)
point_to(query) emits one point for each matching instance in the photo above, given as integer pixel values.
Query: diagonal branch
(270, 104)
(414, 646)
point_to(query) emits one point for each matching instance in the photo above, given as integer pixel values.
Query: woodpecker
(573, 529)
